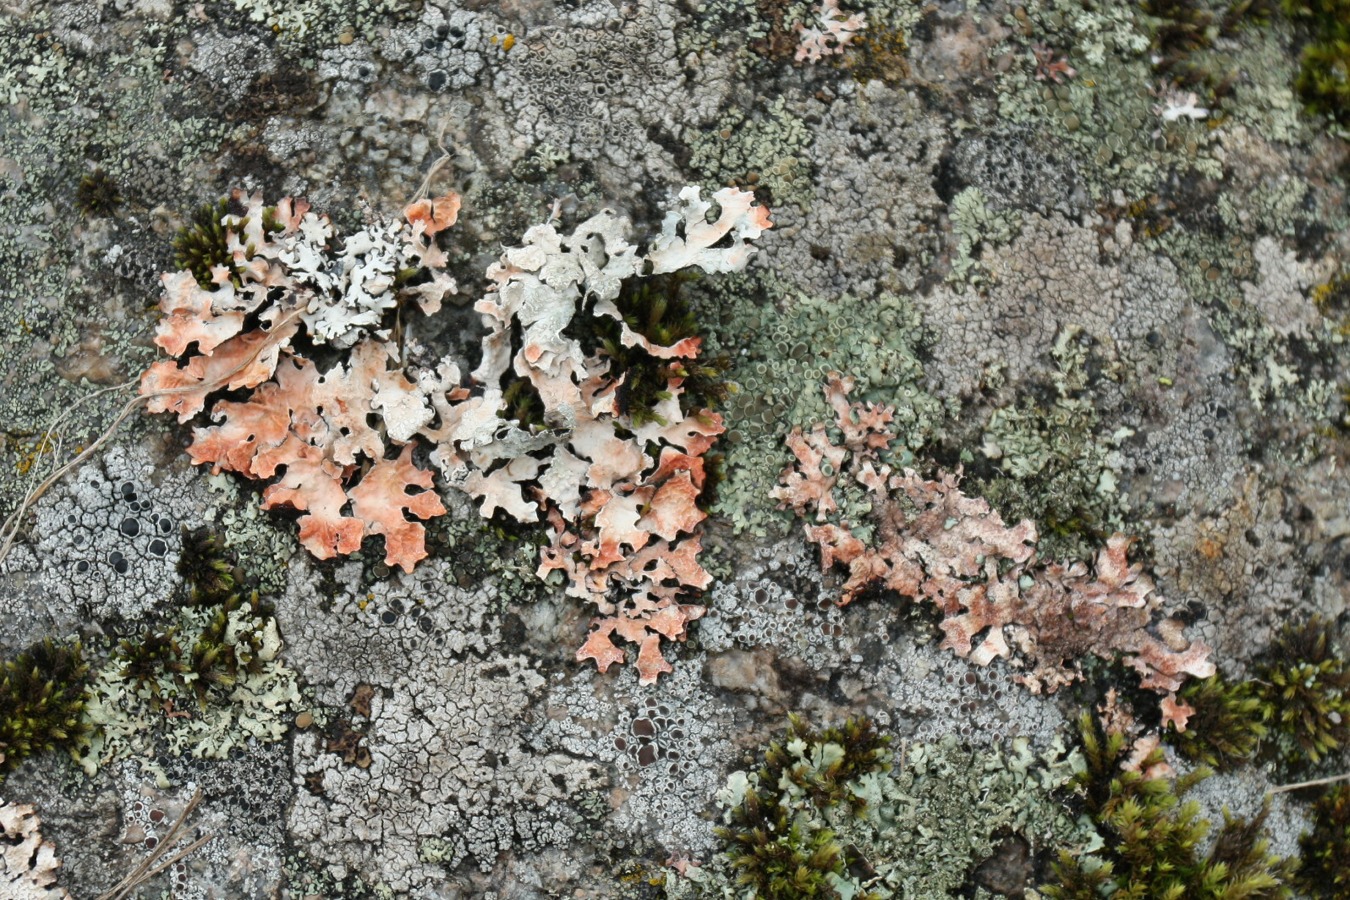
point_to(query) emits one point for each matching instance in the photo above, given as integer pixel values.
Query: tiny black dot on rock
(158, 547)
(389, 617)
(437, 80)
(82, 566)
(130, 527)
(122, 567)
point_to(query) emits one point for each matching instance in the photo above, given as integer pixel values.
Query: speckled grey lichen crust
(1105, 319)
(454, 774)
(109, 538)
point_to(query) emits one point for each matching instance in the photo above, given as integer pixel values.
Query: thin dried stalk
(151, 866)
(10, 529)
(1316, 782)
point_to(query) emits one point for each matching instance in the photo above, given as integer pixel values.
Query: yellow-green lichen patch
(916, 826)
(73, 289)
(1048, 458)
(782, 345)
(135, 720)
(765, 149)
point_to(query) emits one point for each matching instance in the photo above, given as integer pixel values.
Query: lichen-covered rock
(1094, 256)
(433, 716)
(30, 863)
(110, 538)
(666, 745)
(924, 539)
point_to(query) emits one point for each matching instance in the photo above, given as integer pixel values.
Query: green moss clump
(203, 243)
(1153, 838)
(1324, 76)
(202, 563)
(1181, 29)
(657, 308)
(42, 696)
(200, 245)
(780, 858)
(98, 195)
(1326, 849)
(522, 404)
(1308, 691)
(1183, 26)
(831, 814)
(146, 658)
(1300, 699)
(1228, 723)
(770, 846)
(844, 754)
(211, 657)
(211, 668)
(221, 654)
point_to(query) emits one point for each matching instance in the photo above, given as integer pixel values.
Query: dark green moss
(1227, 726)
(864, 752)
(1298, 705)
(1183, 27)
(207, 660)
(1326, 849)
(1323, 17)
(521, 403)
(146, 658)
(1307, 688)
(202, 563)
(98, 195)
(1324, 76)
(1182, 30)
(779, 858)
(768, 846)
(201, 244)
(215, 660)
(209, 657)
(42, 696)
(1324, 79)
(658, 309)
(1152, 837)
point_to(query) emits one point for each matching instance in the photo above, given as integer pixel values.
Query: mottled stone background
(1112, 321)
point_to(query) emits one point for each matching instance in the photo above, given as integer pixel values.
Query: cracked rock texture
(1106, 320)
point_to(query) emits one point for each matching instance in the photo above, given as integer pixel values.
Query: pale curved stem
(10, 529)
